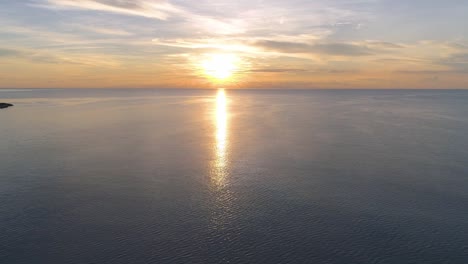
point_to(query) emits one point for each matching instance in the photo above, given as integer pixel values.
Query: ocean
(234, 176)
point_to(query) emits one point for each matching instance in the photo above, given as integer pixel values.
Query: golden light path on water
(221, 122)
(222, 194)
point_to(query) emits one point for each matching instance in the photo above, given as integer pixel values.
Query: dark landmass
(5, 105)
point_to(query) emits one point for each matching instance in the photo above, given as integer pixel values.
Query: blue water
(205, 176)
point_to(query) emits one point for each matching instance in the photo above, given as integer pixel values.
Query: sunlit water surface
(206, 176)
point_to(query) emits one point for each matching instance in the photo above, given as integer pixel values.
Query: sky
(233, 44)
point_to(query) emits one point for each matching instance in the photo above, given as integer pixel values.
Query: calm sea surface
(207, 176)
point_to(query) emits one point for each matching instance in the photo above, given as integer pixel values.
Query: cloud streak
(159, 9)
(9, 53)
(334, 49)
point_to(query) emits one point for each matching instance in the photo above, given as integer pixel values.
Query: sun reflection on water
(222, 193)
(221, 138)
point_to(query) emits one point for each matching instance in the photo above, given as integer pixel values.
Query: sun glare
(220, 66)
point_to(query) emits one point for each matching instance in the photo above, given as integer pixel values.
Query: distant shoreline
(5, 105)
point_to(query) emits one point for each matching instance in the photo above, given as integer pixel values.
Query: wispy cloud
(337, 49)
(45, 57)
(102, 30)
(9, 52)
(457, 62)
(159, 9)
(278, 70)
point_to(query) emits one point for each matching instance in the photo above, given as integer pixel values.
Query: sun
(220, 66)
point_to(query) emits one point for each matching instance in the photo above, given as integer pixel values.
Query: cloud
(383, 44)
(283, 46)
(26, 54)
(277, 70)
(103, 30)
(54, 58)
(185, 21)
(158, 9)
(457, 62)
(343, 49)
(9, 53)
(336, 49)
(424, 72)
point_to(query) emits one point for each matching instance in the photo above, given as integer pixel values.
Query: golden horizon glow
(219, 66)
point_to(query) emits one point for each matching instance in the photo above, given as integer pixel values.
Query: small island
(5, 105)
